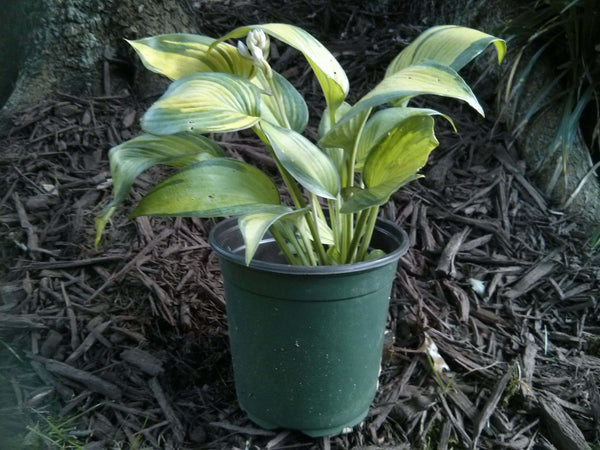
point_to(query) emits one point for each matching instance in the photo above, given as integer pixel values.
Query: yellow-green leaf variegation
(177, 55)
(336, 177)
(205, 103)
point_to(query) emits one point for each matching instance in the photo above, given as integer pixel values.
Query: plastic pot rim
(387, 228)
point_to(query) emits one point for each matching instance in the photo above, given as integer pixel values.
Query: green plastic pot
(306, 342)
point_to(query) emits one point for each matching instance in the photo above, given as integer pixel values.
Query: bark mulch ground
(126, 346)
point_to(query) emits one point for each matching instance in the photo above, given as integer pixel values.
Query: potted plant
(307, 282)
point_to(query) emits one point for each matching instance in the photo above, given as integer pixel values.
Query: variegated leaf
(177, 55)
(327, 69)
(450, 45)
(382, 123)
(303, 160)
(393, 163)
(217, 187)
(131, 158)
(428, 78)
(296, 110)
(254, 226)
(205, 103)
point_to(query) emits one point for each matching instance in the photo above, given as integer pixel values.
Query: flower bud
(258, 55)
(257, 39)
(243, 50)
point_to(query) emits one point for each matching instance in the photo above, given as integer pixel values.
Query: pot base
(333, 431)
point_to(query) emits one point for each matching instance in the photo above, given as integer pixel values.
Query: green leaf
(334, 256)
(343, 135)
(254, 226)
(400, 156)
(358, 199)
(327, 69)
(303, 160)
(375, 254)
(337, 155)
(393, 163)
(449, 45)
(205, 103)
(101, 221)
(428, 78)
(295, 107)
(325, 123)
(214, 188)
(382, 123)
(177, 55)
(131, 158)
(324, 230)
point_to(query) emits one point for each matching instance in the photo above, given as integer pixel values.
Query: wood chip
(461, 297)
(560, 427)
(92, 382)
(244, 430)
(73, 327)
(429, 243)
(132, 263)
(32, 237)
(51, 343)
(143, 360)
(592, 382)
(445, 265)
(530, 279)
(490, 406)
(502, 155)
(167, 409)
(87, 343)
(23, 322)
(528, 366)
(457, 423)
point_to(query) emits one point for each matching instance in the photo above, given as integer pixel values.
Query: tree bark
(78, 46)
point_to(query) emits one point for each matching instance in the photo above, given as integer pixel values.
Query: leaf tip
(500, 49)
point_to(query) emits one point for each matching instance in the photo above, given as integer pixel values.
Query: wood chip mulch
(126, 346)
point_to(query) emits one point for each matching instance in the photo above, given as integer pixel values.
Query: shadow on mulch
(126, 346)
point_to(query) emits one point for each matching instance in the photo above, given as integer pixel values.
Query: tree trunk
(77, 46)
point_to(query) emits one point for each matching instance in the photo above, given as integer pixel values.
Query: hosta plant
(364, 152)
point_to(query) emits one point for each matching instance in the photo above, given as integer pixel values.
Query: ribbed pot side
(306, 342)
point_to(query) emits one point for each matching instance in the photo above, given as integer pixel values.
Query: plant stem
(372, 219)
(308, 249)
(302, 253)
(283, 120)
(291, 185)
(281, 242)
(312, 220)
(347, 228)
(352, 160)
(349, 232)
(358, 233)
(334, 218)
